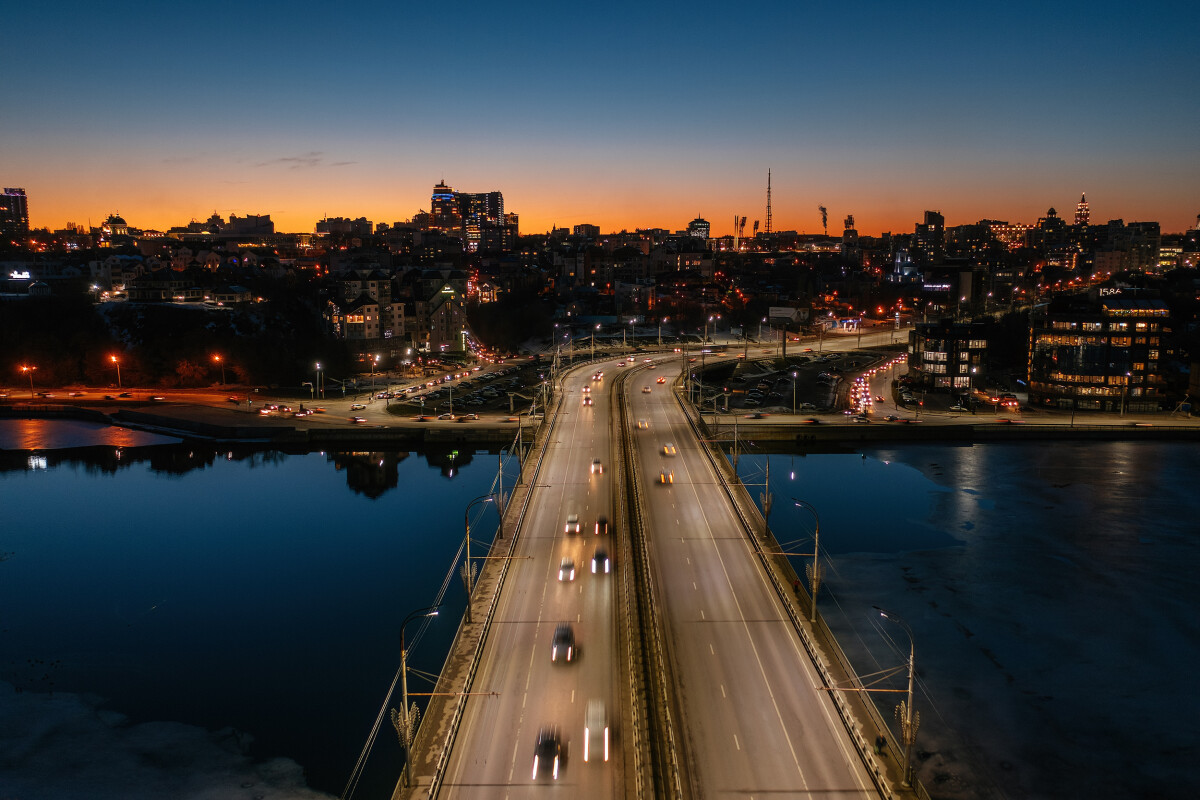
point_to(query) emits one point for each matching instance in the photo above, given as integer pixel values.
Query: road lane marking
(714, 652)
(694, 587)
(722, 685)
(736, 743)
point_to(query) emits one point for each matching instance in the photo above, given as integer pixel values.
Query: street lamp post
(909, 721)
(593, 335)
(1125, 393)
(794, 375)
(117, 363)
(28, 370)
(813, 570)
(320, 388)
(221, 362)
(485, 498)
(407, 734)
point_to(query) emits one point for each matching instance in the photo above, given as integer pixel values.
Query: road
(754, 721)
(493, 754)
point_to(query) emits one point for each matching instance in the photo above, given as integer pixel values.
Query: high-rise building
(444, 209)
(698, 228)
(929, 240)
(14, 213)
(1082, 212)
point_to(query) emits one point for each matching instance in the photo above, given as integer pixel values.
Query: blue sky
(621, 115)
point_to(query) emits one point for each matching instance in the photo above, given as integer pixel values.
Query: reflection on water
(1051, 593)
(227, 587)
(56, 434)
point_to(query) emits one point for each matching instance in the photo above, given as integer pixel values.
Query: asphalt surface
(518, 688)
(755, 723)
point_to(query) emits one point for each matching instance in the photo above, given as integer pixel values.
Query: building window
(1093, 326)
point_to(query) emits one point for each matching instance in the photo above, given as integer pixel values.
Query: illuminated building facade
(929, 239)
(14, 213)
(1100, 352)
(948, 356)
(1082, 212)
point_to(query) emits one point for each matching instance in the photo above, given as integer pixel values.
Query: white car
(643, 425)
(566, 570)
(645, 390)
(668, 449)
(597, 467)
(572, 525)
(595, 731)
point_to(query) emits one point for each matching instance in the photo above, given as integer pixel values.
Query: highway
(493, 754)
(755, 725)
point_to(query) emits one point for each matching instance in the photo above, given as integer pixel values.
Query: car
(158, 398)
(357, 407)
(446, 415)
(891, 418)
(666, 476)
(106, 397)
(75, 394)
(595, 726)
(861, 418)
(598, 376)
(600, 562)
(597, 467)
(587, 401)
(563, 645)
(958, 408)
(566, 570)
(807, 407)
(304, 412)
(547, 751)
(357, 420)
(232, 400)
(572, 525)
(661, 379)
(643, 425)
(586, 389)
(668, 449)
(879, 399)
(645, 390)
(620, 363)
(125, 394)
(652, 366)
(755, 415)
(601, 525)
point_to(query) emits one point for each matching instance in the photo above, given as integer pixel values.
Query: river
(1051, 591)
(196, 622)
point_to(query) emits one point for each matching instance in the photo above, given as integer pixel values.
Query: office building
(1099, 352)
(14, 213)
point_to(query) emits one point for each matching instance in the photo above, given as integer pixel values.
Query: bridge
(710, 679)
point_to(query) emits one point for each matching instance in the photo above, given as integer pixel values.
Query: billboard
(782, 312)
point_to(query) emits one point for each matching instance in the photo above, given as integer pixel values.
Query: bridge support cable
(857, 715)
(452, 694)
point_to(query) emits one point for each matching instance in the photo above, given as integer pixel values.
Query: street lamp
(1125, 393)
(117, 363)
(593, 335)
(320, 388)
(217, 358)
(813, 570)
(909, 721)
(407, 734)
(485, 498)
(28, 370)
(794, 376)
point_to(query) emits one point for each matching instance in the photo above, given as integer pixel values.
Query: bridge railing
(850, 705)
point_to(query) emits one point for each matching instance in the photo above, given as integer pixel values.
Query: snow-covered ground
(64, 745)
(1055, 645)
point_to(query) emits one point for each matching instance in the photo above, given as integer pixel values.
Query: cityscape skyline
(624, 118)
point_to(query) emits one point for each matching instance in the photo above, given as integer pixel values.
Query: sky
(621, 115)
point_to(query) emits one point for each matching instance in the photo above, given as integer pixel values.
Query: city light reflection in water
(233, 588)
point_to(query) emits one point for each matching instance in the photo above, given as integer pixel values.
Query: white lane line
(702, 614)
(714, 652)
(736, 743)
(572, 695)
(722, 686)
(694, 587)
